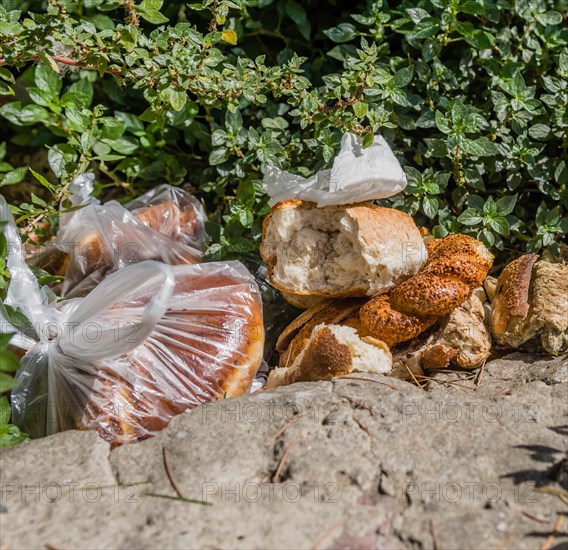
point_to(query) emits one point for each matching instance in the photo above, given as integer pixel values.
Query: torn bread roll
(457, 264)
(530, 306)
(339, 251)
(294, 338)
(334, 350)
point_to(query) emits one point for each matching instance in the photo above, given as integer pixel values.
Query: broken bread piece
(530, 306)
(334, 350)
(339, 251)
(459, 340)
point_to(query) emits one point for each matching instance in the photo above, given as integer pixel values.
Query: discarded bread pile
(145, 330)
(382, 299)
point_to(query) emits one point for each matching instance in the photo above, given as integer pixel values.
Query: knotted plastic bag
(150, 341)
(358, 174)
(165, 224)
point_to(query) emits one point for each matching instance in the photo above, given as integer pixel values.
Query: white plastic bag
(166, 224)
(357, 175)
(150, 341)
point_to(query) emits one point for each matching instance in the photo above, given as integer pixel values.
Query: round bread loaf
(207, 346)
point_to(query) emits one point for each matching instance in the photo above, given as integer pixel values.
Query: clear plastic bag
(166, 224)
(150, 341)
(277, 312)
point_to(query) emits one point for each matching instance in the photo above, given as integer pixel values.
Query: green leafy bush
(471, 94)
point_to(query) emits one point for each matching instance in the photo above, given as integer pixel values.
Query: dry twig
(433, 534)
(290, 448)
(413, 377)
(326, 533)
(348, 377)
(362, 426)
(169, 473)
(550, 539)
(284, 428)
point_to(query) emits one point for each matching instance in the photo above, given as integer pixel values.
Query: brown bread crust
(332, 312)
(324, 359)
(512, 293)
(205, 354)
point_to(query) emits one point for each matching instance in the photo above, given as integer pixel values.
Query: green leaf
(296, 12)
(561, 173)
(151, 4)
(178, 99)
(5, 89)
(5, 412)
(480, 147)
(344, 32)
(246, 193)
(218, 156)
(8, 363)
(368, 139)
(430, 207)
(48, 81)
(441, 123)
(470, 217)
(61, 157)
(153, 16)
(360, 109)
(5, 337)
(506, 205)
(490, 207)
(234, 122)
(87, 141)
(549, 18)
(403, 77)
(23, 115)
(42, 180)
(6, 381)
(6, 75)
(149, 115)
(499, 224)
(539, 131)
(80, 93)
(14, 176)
(487, 237)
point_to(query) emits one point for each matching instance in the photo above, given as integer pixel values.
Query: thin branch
(169, 473)
(68, 61)
(276, 476)
(285, 427)
(550, 539)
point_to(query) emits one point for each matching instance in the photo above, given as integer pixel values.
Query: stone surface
(352, 463)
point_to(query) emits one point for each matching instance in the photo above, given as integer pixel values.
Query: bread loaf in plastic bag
(166, 224)
(150, 341)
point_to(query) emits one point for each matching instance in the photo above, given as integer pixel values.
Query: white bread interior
(341, 251)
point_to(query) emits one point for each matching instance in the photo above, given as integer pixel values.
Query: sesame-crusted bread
(457, 264)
